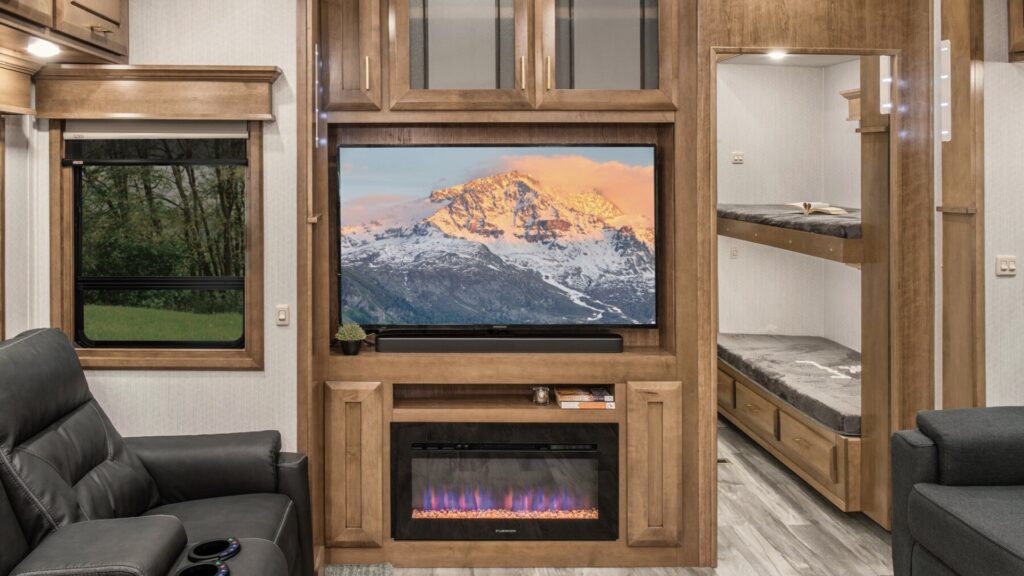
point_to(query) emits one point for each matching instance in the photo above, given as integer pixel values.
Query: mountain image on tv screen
(489, 236)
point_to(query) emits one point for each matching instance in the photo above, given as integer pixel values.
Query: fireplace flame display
(476, 503)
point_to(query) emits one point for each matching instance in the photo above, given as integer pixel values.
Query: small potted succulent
(351, 337)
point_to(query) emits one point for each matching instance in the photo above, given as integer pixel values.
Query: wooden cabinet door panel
(351, 54)
(353, 454)
(102, 23)
(38, 11)
(653, 463)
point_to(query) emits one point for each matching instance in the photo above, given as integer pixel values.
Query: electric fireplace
(504, 481)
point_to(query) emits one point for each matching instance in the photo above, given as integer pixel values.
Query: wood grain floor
(770, 524)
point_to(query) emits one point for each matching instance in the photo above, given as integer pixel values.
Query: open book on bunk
(808, 208)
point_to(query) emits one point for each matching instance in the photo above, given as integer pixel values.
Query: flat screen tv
(497, 237)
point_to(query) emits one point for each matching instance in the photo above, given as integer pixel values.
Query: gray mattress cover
(818, 377)
(782, 216)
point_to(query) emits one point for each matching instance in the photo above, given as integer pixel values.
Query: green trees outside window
(160, 242)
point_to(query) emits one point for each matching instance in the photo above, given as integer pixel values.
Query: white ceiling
(803, 60)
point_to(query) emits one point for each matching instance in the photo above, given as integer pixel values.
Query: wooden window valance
(94, 92)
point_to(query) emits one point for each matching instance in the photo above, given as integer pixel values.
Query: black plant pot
(351, 347)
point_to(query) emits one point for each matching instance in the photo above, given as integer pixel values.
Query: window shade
(152, 130)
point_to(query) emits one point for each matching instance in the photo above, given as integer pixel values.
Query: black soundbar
(500, 343)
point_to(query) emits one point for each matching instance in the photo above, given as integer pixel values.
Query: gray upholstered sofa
(77, 498)
(958, 494)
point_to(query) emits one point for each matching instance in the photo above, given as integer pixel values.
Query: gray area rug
(359, 570)
(782, 216)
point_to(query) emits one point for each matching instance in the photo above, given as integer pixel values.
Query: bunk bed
(833, 237)
(800, 398)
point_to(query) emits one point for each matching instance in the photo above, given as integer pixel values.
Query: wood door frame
(550, 97)
(403, 97)
(879, 136)
(963, 210)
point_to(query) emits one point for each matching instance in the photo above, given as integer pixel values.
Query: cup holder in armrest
(217, 568)
(220, 549)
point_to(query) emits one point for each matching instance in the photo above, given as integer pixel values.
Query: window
(163, 241)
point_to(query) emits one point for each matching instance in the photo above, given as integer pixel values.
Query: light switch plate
(282, 315)
(738, 158)
(1006, 266)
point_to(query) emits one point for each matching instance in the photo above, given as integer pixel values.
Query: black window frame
(198, 283)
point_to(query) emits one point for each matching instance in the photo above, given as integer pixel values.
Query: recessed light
(43, 48)
(777, 54)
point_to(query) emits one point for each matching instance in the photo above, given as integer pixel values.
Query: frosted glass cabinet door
(460, 54)
(350, 76)
(607, 54)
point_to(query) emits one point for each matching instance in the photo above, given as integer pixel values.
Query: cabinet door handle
(547, 72)
(366, 73)
(751, 408)
(101, 30)
(522, 72)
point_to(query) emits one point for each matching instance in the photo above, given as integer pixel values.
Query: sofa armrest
(915, 460)
(977, 446)
(293, 481)
(144, 546)
(195, 467)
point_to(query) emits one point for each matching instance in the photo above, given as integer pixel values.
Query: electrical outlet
(734, 253)
(282, 315)
(738, 158)
(1006, 266)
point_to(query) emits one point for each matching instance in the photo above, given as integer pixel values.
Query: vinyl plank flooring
(770, 524)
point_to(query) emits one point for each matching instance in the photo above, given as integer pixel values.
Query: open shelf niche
(488, 403)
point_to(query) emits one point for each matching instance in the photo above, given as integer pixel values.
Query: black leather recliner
(77, 498)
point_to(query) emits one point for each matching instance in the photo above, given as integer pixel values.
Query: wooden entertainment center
(360, 85)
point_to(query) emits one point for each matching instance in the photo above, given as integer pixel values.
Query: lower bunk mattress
(817, 376)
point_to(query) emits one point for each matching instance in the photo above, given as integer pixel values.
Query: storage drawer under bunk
(726, 391)
(756, 412)
(815, 451)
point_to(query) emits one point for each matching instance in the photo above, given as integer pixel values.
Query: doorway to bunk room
(803, 185)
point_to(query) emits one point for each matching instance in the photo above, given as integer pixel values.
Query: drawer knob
(801, 442)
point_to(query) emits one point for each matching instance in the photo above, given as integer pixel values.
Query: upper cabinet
(102, 23)
(38, 11)
(499, 54)
(460, 54)
(351, 54)
(597, 54)
(1016, 17)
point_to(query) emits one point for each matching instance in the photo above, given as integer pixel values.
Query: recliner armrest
(209, 466)
(293, 481)
(144, 546)
(915, 460)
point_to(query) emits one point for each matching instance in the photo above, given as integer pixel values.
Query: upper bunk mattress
(818, 377)
(782, 216)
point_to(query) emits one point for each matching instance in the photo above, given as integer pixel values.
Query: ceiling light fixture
(777, 54)
(43, 48)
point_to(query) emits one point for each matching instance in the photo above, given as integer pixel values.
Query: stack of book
(584, 398)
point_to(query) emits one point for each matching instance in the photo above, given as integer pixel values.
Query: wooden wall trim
(963, 216)
(16, 83)
(84, 92)
(62, 280)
